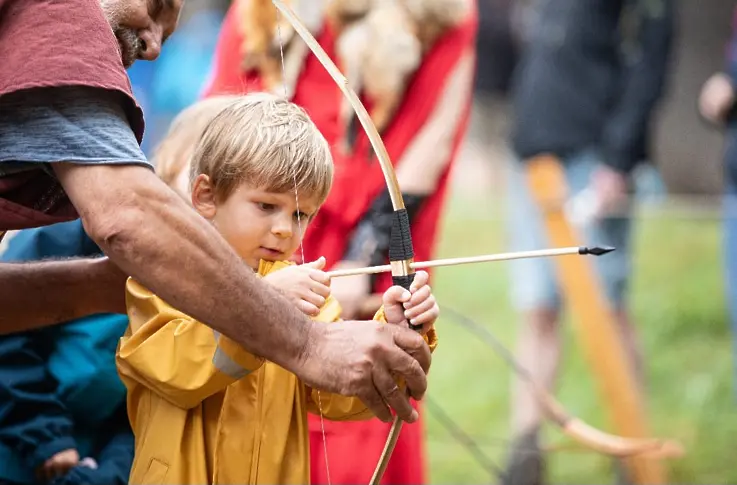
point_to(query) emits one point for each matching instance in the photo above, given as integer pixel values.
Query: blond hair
(267, 141)
(172, 154)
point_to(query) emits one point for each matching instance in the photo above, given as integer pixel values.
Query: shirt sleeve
(626, 133)
(179, 358)
(65, 124)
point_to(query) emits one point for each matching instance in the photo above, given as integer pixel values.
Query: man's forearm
(151, 234)
(37, 294)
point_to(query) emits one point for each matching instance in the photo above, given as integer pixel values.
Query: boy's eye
(301, 216)
(266, 207)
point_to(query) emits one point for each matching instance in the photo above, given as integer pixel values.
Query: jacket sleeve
(181, 359)
(32, 419)
(344, 408)
(626, 133)
(114, 458)
(66, 239)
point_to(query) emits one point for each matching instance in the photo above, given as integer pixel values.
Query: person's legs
(534, 295)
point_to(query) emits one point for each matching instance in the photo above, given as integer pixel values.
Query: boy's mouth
(272, 253)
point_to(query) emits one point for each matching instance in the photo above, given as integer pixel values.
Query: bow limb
(554, 411)
(401, 252)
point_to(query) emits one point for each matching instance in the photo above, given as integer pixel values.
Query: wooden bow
(401, 256)
(401, 252)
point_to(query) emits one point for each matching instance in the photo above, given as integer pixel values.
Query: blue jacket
(59, 386)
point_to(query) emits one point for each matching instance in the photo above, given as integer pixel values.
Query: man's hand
(610, 188)
(58, 465)
(364, 359)
(306, 285)
(717, 98)
(351, 291)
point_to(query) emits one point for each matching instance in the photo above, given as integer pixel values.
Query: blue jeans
(534, 283)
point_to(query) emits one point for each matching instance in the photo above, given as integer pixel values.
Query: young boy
(202, 408)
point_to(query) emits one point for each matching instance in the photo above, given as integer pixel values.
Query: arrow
(540, 253)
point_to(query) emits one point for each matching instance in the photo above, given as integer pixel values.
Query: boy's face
(257, 224)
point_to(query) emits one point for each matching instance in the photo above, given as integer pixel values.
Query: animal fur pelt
(380, 43)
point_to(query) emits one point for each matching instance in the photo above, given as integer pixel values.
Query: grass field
(679, 307)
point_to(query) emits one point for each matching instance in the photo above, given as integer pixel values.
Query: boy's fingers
(320, 289)
(319, 263)
(308, 308)
(419, 296)
(313, 298)
(427, 318)
(419, 309)
(320, 276)
(421, 278)
(396, 294)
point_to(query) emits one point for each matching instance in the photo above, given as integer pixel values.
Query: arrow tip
(596, 250)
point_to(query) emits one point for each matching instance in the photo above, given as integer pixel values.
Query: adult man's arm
(151, 234)
(154, 236)
(43, 293)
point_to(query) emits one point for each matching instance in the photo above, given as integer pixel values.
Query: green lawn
(679, 307)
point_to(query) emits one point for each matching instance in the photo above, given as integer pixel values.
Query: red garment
(47, 43)
(353, 448)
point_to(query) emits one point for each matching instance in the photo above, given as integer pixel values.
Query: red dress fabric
(354, 448)
(53, 43)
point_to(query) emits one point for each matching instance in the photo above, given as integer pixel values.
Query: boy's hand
(58, 465)
(416, 306)
(306, 285)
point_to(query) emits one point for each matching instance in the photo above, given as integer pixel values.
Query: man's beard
(129, 44)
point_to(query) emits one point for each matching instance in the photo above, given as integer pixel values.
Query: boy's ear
(203, 197)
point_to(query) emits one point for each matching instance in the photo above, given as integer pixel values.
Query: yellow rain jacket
(205, 411)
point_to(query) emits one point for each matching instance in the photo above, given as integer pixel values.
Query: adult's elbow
(116, 223)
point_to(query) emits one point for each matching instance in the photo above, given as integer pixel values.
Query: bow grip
(401, 250)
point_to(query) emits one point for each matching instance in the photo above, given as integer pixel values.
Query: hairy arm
(152, 235)
(43, 293)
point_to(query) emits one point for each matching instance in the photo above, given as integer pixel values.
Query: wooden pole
(593, 318)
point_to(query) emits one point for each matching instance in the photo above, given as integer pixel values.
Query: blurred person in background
(414, 70)
(63, 418)
(717, 105)
(586, 90)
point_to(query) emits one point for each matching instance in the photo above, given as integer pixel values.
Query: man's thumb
(319, 263)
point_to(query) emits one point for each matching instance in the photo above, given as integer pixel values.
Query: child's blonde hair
(267, 141)
(173, 153)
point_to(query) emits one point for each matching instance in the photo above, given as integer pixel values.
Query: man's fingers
(372, 399)
(395, 397)
(395, 294)
(413, 362)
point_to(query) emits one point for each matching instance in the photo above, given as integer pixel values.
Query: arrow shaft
(540, 253)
